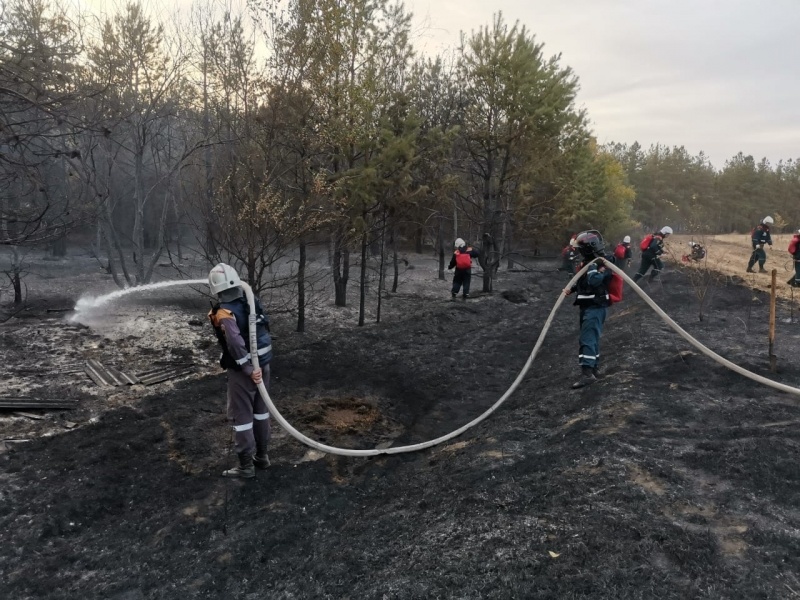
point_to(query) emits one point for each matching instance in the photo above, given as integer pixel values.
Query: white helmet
(768, 221)
(459, 243)
(223, 277)
(666, 230)
(626, 239)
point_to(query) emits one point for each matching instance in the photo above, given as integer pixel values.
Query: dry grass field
(728, 255)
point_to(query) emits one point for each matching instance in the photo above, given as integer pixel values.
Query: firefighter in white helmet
(652, 247)
(246, 408)
(759, 238)
(462, 262)
(623, 254)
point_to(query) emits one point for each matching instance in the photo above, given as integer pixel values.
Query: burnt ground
(671, 478)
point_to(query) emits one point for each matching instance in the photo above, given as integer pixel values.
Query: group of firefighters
(595, 291)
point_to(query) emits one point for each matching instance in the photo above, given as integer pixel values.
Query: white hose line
(708, 352)
(422, 446)
(398, 449)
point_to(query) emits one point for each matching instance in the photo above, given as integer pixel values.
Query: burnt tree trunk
(395, 267)
(440, 249)
(341, 270)
(301, 289)
(362, 298)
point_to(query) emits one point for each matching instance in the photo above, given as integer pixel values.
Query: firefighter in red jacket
(623, 254)
(570, 258)
(794, 250)
(462, 262)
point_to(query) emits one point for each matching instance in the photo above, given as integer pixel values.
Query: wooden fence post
(772, 294)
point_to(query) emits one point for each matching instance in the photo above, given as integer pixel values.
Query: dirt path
(670, 478)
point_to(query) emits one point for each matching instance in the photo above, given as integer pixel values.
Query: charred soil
(672, 477)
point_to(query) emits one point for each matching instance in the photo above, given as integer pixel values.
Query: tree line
(267, 135)
(688, 193)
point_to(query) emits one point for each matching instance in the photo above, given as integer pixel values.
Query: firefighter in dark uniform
(652, 253)
(593, 298)
(462, 262)
(759, 238)
(246, 408)
(570, 258)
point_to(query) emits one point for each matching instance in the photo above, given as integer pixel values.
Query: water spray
(86, 303)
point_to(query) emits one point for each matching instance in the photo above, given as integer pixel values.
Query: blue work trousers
(592, 319)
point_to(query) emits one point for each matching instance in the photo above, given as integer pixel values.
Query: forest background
(292, 129)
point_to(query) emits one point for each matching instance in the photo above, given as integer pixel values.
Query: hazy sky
(711, 75)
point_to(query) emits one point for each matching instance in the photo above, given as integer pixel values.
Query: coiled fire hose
(422, 446)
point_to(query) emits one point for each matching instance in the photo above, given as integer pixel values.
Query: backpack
(646, 242)
(615, 289)
(619, 252)
(463, 260)
(793, 245)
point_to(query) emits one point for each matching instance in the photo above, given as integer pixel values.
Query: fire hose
(520, 376)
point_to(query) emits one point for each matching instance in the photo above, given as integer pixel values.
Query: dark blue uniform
(651, 258)
(246, 408)
(759, 237)
(593, 300)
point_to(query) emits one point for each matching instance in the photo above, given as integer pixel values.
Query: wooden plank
(29, 415)
(121, 378)
(105, 376)
(165, 375)
(37, 403)
(97, 373)
(163, 369)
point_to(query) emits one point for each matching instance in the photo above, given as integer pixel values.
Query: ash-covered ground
(670, 478)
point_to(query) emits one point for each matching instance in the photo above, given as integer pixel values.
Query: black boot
(245, 470)
(261, 460)
(598, 374)
(761, 269)
(587, 378)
